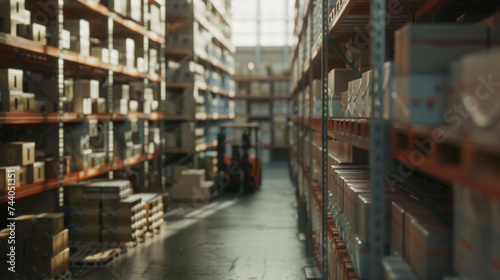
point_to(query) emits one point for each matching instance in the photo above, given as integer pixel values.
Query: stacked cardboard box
(80, 35)
(13, 98)
(153, 205)
(192, 186)
(103, 210)
(423, 54)
(20, 158)
(127, 140)
(16, 20)
(41, 246)
(123, 220)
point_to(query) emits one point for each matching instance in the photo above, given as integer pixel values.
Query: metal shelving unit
(312, 60)
(37, 57)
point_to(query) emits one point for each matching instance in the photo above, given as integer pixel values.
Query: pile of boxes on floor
(195, 184)
(99, 210)
(41, 247)
(20, 157)
(412, 231)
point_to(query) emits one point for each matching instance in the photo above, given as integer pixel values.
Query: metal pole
(377, 139)
(60, 81)
(324, 139)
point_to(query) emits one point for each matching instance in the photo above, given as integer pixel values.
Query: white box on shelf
(12, 101)
(82, 105)
(11, 79)
(102, 53)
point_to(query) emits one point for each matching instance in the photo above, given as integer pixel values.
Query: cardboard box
(7, 180)
(29, 102)
(17, 153)
(114, 57)
(126, 51)
(13, 13)
(82, 105)
(420, 99)
(121, 92)
(86, 88)
(98, 159)
(79, 30)
(133, 106)
(99, 105)
(39, 33)
(49, 223)
(430, 253)
(120, 106)
(431, 48)
(338, 80)
(66, 39)
(102, 53)
(135, 10)
(22, 176)
(12, 101)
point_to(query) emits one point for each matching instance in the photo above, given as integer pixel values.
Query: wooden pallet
(123, 246)
(94, 257)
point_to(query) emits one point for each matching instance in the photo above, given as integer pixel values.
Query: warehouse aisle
(251, 237)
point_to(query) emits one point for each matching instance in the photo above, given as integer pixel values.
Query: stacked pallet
(153, 209)
(40, 247)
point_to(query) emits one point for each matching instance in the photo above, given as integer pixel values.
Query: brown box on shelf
(49, 223)
(22, 176)
(98, 105)
(35, 172)
(17, 153)
(86, 88)
(29, 102)
(12, 101)
(80, 34)
(5, 177)
(431, 48)
(82, 105)
(98, 159)
(100, 52)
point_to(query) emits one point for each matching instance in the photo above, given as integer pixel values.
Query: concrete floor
(248, 237)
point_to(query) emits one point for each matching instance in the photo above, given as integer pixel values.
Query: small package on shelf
(35, 172)
(100, 52)
(114, 57)
(86, 88)
(12, 101)
(83, 161)
(134, 10)
(82, 105)
(120, 106)
(29, 102)
(133, 106)
(12, 14)
(11, 79)
(420, 98)
(6, 177)
(17, 153)
(22, 176)
(431, 48)
(80, 35)
(98, 105)
(126, 51)
(98, 159)
(121, 92)
(66, 39)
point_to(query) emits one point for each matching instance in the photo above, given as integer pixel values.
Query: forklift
(240, 171)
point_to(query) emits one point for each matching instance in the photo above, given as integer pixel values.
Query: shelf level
(33, 118)
(52, 183)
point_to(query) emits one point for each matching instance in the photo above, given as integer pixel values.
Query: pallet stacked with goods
(199, 83)
(395, 137)
(82, 97)
(264, 99)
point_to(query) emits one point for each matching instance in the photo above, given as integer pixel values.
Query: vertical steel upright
(324, 139)
(110, 124)
(163, 95)
(60, 83)
(146, 84)
(310, 22)
(378, 151)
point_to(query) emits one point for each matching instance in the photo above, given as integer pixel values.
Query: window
(263, 22)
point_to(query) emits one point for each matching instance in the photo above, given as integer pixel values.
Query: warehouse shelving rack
(199, 88)
(54, 59)
(273, 112)
(388, 144)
